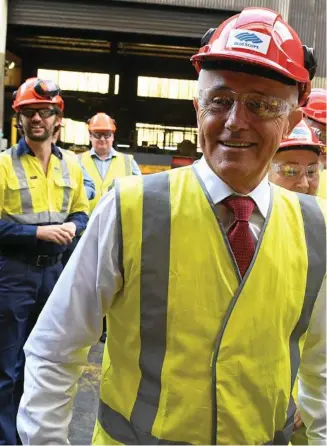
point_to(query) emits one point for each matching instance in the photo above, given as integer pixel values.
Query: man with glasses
(43, 206)
(208, 290)
(315, 111)
(103, 163)
(296, 164)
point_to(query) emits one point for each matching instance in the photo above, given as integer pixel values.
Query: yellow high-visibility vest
(29, 196)
(120, 166)
(322, 189)
(199, 355)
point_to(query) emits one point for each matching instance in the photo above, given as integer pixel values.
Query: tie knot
(242, 207)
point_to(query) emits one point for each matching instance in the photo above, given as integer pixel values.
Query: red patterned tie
(239, 234)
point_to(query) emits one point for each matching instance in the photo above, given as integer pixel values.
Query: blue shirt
(104, 164)
(13, 235)
(89, 185)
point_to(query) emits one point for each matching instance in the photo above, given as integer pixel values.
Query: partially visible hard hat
(302, 135)
(101, 123)
(259, 36)
(316, 105)
(35, 91)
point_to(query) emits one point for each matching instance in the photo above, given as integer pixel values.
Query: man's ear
(294, 118)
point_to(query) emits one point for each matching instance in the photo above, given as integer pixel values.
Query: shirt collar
(219, 190)
(24, 149)
(112, 153)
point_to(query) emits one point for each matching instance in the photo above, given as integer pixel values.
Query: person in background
(89, 189)
(207, 290)
(104, 164)
(43, 206)
(315, 111)
(296, 165)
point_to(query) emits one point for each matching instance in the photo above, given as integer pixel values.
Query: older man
(207, 290)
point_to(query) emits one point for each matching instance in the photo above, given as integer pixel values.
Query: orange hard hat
(102, 123)
(315, 107)
(34, 91)
(260, 37)
(302, 135)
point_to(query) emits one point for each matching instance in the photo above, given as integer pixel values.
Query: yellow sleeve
(3, 175)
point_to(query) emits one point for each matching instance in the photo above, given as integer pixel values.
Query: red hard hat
(34, 91)
(102, 123)
(259, 36)
(302, 135)
(315, 107)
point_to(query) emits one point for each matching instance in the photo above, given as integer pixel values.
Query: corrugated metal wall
(231, 5)
(113, 17)
(312, 30)
(308, 17)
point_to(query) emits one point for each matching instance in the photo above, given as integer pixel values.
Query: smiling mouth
(236, 145)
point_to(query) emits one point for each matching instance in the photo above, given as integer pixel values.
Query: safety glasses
(296, 171)
(257, 105)
(42, 112)
(99, 135)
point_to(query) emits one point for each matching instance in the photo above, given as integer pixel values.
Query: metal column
(3, 36)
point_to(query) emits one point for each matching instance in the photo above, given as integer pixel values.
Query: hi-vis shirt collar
(23, 149)
(219, 190)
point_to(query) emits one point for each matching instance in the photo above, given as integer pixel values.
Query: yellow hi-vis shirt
(29, 196)
(322, 189)
(199, 355)
(120, 166)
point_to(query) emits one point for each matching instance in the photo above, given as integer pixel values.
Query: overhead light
(9, 65)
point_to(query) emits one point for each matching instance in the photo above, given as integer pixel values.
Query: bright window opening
(75, 132)
(116, 90)
(77, 81)
(165, 137)
(157, 87)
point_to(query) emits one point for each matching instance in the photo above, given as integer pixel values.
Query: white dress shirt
(72, 321)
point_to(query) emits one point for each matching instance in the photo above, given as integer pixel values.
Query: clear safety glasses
(296, 171)
(258, 105)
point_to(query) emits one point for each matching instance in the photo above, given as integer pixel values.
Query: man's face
(239, 141)
(102, 141)
(297, 171)
(39, 127)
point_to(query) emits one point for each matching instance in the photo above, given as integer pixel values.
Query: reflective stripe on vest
(28, 216)
(155, 259)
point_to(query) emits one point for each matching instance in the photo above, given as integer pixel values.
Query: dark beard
(32, 137)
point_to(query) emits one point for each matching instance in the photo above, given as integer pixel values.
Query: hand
(55, 233)
(70, 227)
(297, 421)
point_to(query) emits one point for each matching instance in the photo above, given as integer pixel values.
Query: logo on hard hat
(249, 40)
(248, 37)
(299, 133)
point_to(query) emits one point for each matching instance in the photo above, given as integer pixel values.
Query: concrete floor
(87, 399)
